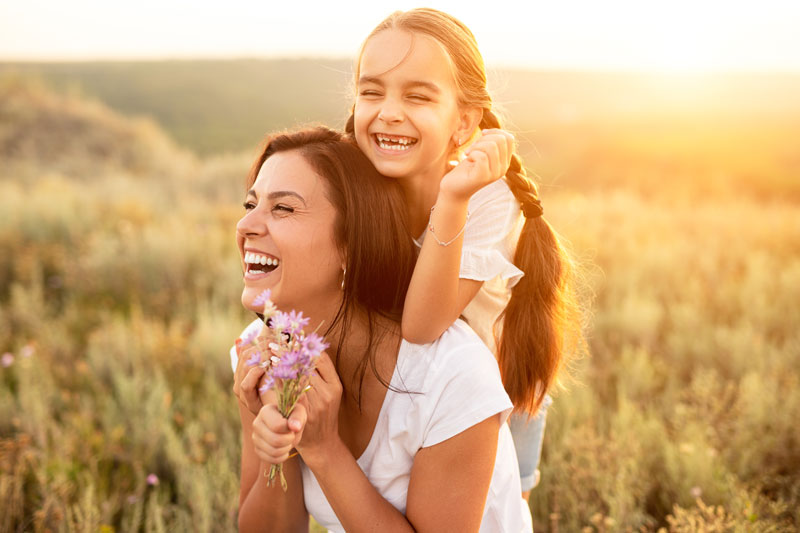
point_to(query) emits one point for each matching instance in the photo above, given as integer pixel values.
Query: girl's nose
(390, 113)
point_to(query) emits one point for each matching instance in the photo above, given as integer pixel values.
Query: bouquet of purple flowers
(289, 357)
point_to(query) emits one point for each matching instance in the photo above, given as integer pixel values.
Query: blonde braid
(524, 189)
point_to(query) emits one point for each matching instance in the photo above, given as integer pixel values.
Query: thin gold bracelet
(451, 241)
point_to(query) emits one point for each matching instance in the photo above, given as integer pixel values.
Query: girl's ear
(468, 121)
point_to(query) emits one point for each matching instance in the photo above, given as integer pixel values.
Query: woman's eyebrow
(280, 194)
(277, 194)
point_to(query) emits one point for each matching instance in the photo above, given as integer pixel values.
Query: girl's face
(286, 238)
(406, 112)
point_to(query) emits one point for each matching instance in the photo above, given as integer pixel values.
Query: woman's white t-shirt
(440, 389)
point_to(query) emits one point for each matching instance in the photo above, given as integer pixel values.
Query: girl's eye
(248, 205)
(369, 92)
(419, 97)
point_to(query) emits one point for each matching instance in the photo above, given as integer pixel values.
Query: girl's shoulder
(494, 194)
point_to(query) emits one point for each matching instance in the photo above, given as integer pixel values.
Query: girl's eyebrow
(277, 194)
(414, 83)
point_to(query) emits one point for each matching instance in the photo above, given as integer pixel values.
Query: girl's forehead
(394, 51)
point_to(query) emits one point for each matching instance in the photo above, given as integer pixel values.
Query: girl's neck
(420, 193)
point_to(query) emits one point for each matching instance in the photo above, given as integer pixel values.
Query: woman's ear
(468, 121)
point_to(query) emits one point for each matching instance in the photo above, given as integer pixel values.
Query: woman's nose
(250, 225)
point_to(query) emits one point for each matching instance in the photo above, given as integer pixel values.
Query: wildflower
(269, 382)
(297, 322)
(284, 371)
(279, 321)
(696, 492)
(27, 350)
(152, 480)
(249, 336)
(7, 360)
(313, 344)
(254, 359)
(263, 298)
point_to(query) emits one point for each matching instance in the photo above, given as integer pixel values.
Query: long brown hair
(541, 324)
(370, 229)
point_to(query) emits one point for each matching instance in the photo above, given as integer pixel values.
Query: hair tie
(532, 208)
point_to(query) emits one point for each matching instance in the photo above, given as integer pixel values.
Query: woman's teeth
(396, 143)
(254, 261)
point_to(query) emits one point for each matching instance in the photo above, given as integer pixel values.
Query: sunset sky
(679, 35)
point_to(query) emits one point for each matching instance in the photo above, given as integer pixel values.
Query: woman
(392, 436)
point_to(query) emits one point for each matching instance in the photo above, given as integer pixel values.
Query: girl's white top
(440, 390)
(490, 241)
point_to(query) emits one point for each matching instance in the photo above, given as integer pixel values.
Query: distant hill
(574, 129)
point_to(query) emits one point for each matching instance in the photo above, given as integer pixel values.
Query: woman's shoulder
(458, 354)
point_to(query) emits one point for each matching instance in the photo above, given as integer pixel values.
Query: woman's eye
(248, 205)
(282, 208)
(369, 92)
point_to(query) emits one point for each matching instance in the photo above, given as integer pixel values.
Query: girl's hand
(320, 406)
(487, 160)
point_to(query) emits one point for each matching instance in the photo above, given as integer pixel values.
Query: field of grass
(119, 296)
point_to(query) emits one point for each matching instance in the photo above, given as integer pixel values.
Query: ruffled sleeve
(491, 234)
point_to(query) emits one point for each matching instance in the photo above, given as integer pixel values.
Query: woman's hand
(247, 379)
(320, 406)
(312, 425)
(487, 160)
(273, 435)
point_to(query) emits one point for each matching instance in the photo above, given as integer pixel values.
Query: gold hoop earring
(344, 273)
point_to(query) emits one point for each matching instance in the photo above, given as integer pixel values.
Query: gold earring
(344, 273)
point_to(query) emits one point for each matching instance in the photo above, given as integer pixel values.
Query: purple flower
(7, 360)
(152, 480)
(284, 371)
(279, 321)
(268, 384)
(254, 359)
(297, 322)
(263, 298)
(313, 345)
(249, 335)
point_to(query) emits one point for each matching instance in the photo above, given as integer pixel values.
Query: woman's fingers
(248, 389)
(272, 437)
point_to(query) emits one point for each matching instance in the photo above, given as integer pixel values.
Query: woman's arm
(436, 295)
(263, 508)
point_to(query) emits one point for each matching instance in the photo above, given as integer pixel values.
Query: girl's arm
(436, 295)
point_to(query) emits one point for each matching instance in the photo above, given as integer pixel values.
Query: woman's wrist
(322, 457)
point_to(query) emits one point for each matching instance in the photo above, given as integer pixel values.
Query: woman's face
(286, 238)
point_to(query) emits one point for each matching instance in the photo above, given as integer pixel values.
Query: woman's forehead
(288, 171)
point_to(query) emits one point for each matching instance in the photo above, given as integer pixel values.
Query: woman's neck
(349, 346)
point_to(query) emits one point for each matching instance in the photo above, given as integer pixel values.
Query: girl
(421, 106)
